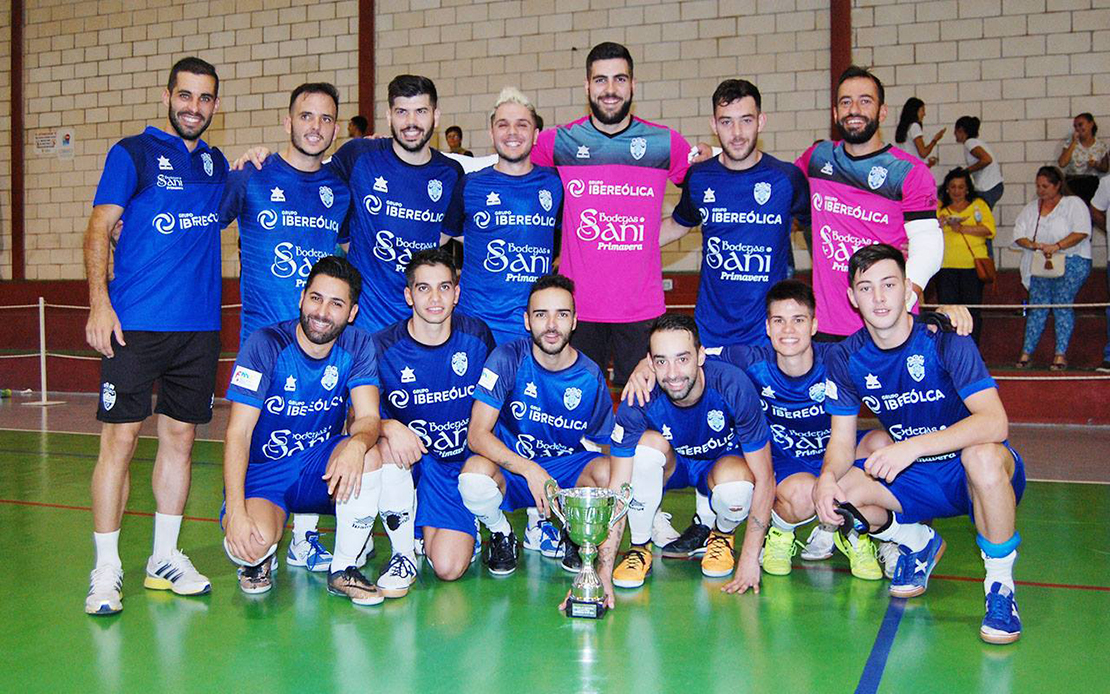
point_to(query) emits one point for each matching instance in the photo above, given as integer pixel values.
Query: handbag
(1042, 265)
(984, 267)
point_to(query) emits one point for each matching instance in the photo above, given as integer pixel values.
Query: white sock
(107, 549)
(398, 509)
(784, 525)
(706, 514)
(166, 530)
(999, 570)
(912, 535)
(354, 519)
(647, 492)
(533, 516)
(304, 523)
(732, 501)
(481, 497)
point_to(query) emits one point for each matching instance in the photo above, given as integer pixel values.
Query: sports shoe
(1001, 624)
(861, 555)
(175, 573)
(543, 537)
(888, 557)
(778, 548)
(501, 558)
(257, 579)
(718, 560)
(352, 584)
(911, 575)
(105, 591)
(691, 543)
(819, 545)
(309, 553)
(572, 561)
(662, 532)
(398, 576)
(634, 568)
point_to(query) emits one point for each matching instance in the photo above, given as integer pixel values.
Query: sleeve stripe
(919, 214)
(749, 447)
(973, 388)
(487, 399)
(841, 411)
(238, 397)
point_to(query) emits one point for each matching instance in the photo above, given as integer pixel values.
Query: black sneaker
(501, 560)
(1104, 367)
(572, 560)
(691, 543)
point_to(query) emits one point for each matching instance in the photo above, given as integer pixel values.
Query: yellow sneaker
(635, 567)
(718, 560)
(778, 548)
(861, 555)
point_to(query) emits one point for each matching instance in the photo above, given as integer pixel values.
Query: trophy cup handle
(551, 489)
(624, 498)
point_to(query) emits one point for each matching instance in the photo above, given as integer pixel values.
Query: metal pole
(42, 359)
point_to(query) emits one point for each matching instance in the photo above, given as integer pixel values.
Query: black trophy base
(585, 609)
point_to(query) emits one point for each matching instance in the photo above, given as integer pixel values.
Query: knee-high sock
(647, 492)
(398, 509)
(912, 535)
(706, 515)
(732, 501)
(304, 523)
(481, 497)
(354, 519)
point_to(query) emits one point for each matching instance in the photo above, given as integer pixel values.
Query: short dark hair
(958, 172)
(539, 122)
(194, 66)
(315, 88)
(969, 124)
(608, 50)
(734, 90)
(1090, 119)
(552, 280)
(340, 269)
(865, 257)
(361, 124)
(855, 71)
(786, 290)
(430, 257)
(409, 86)
(1054, 177)
(676, 321)
(453, 129)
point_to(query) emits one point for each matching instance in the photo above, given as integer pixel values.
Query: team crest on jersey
(762, 192)
(667, 432)
(327, 196)
(545, 199)
(459, 363)
(915, 364)
(493, 198)
(817, 392)
(290, 384)
(716, 420)
(330, 377)
(571, 397)
(435, 189)
(108, 395)
(164, 164)
(638, 147)
(710, 195)
(207, 159)
(876, 177)
(277, 194)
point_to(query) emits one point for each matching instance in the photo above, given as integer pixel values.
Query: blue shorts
(691, 472)
(939, 490)
(438, 502)
(564, 469)
(295, 483)
(792, 466)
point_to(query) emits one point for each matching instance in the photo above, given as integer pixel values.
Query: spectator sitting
(968, 223)
(909, 131)
(1084, 157)
(453, 135)
(985, 172)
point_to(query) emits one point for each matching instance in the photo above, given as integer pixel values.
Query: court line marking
(872, 673)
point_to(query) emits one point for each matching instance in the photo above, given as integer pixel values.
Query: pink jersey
(612, 211)
(856, 202)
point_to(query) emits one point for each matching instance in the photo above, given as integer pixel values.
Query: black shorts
(626, 343)
(183, 363)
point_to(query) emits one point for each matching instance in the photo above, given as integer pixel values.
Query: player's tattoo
(762, 525)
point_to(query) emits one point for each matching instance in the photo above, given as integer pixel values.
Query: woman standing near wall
(985, 172)
(1084, 157)
(909, 131)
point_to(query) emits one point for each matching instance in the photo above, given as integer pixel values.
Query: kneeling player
(933, 395)
(284, 453)
(715, 438)
(535, 402)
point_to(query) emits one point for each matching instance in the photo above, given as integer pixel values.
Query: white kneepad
(732, 500)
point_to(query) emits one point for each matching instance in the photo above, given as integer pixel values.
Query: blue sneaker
(1001, 624)
(911, 575)
(543, 538)
(309, 553)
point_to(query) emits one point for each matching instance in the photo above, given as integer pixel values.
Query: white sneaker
(309, 553)
(888, 557)
(662, 532)
(418, 546)
(398, 577)
(819, 546)
(105, 591)
(533, 534)
(175, 573)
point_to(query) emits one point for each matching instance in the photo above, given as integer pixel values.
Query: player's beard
(298, 144)
(406, 146)
(181, 130)
(320, 338)
(537, 340)
(682, 394)
(507, 157)
(860, 136)
(747, 147)
(605, 119)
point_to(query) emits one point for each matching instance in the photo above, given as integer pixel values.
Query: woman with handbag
(1054, 233)
(968, 224)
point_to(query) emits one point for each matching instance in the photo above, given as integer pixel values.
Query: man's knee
(795, 495)
(987, 464)
(655, 440)
(450, 568)
(730, 468)
(480, 466)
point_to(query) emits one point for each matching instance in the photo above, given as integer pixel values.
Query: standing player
(429, 367)
(284, 450)
(865, 192)
(933, 395)
(536, 400)
(158, 319)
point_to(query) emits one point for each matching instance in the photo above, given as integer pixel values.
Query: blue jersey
(726, 418)
(545, 414)
(914, 389)
(397, 209)
(167, 263)
(429, 388)
(303, 400)
(288, 219)
(745, 219)
(508, 225)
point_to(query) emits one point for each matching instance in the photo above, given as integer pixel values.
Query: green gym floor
(817, 630)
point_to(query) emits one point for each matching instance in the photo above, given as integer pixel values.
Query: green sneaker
(778, 548)
(860, 551)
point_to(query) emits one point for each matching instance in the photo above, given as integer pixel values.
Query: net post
(42, 402)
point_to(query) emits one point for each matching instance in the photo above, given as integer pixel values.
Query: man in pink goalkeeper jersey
(614, 169)
(864, 192)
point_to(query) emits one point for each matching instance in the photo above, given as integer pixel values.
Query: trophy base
(585, 609)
